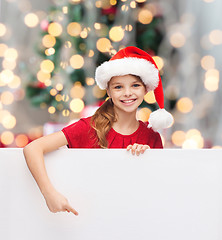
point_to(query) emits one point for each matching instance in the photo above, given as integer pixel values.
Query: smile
(128, 101)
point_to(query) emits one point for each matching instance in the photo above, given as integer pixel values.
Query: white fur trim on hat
(147, 71)
(160, 119)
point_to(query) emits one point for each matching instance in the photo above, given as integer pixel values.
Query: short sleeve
(76, 133)
(158, 142)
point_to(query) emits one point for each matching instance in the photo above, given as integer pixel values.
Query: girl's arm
(34, 156)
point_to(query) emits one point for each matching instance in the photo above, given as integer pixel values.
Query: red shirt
(81, 135)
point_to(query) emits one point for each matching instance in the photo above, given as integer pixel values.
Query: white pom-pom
(160, 119)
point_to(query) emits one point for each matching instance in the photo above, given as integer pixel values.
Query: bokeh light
(133, 4)
(47, 66)
(116, 34)
(177, 40)
(98, 93)
(59, 86)
(143, 114)
(159, 62)
(3, 48)
(6, 76)
(74, 29)
(48, 41)
(103, 45)
(90, 81)
(9, 121)
(55, 29)
(15, 83)
(7, 98)
(145, 16)
(21, 140)
(49, 51)
(76, 105)
(184, 105)
(51, 110)
(77, 91)
(31, 20)
(2, 29)
(11, 54)
(208, 62)
(7, 137)
(216, 37)
(150, 97)
(11, 65)
(43, 76)
(178, 138)
(211, 82)
(76, 61)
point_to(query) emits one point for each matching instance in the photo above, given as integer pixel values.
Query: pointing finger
(70, 209)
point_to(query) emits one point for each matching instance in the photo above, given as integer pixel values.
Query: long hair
(102, 121)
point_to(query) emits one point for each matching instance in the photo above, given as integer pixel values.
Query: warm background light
(2, 29)
(216, 37)
(208, 62)
(74, 29)
(7, 137)
(3, 48)
(178, 138)
(47, 66)
(43, 76)
(145, 16)
(116, 34)
(177, 40)
(103, 45)
(143, 114)
(7, 98)
(9, 121)
(76, 61)
(55, 29)
(21, 140)
(77, 105)
(98, 93)
(11, 54)
(159, 62)
(31, 20)
(15, 83)
(150, 97)
(7, 76)
(48, 41)
(184, 105)
(77, 91)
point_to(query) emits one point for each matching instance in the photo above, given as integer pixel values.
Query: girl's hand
(138, 148)
(56, 202)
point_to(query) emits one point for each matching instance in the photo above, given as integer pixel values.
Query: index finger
(70, 209)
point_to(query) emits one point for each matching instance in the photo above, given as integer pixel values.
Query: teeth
(128, 101)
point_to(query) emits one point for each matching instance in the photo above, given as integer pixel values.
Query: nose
(127, 92)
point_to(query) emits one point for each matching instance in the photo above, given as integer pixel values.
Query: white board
(160, 195)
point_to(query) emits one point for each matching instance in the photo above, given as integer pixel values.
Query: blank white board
(161, 195)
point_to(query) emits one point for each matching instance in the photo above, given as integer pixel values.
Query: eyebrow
(116, 83)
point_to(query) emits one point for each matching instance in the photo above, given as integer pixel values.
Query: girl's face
(127, 92)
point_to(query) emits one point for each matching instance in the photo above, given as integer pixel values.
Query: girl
(127, 77)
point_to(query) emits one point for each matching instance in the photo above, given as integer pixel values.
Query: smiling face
(127, 93)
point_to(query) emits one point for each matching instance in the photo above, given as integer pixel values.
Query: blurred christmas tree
(79, 35)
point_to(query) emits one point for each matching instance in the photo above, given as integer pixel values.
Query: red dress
(81, 135)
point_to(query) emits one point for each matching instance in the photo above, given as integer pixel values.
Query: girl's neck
(126, 123)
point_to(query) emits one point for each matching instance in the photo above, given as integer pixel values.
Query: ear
(108, 92)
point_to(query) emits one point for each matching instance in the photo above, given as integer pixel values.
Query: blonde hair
(102, 122)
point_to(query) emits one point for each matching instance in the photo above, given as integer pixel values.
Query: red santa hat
(132, 60)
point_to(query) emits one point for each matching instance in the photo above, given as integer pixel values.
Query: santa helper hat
(132, 60)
